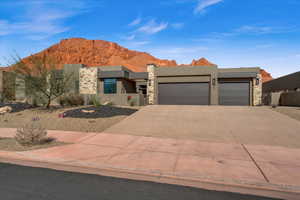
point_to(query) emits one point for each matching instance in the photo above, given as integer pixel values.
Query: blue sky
(230, 33)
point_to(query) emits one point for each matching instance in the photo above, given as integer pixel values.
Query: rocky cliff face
(265, 76)
(202, 62)
(101, 53)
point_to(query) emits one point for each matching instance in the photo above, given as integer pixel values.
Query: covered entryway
(183, 93)
(234, 93)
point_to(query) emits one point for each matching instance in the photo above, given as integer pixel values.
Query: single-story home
(181, 85)
(284, 91)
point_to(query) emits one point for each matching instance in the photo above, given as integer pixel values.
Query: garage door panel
(234, 93)
(183, 93)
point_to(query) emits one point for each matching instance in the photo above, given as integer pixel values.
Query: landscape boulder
(88, 111)
(5, 109)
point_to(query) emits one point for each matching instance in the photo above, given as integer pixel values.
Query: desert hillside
(100, 52)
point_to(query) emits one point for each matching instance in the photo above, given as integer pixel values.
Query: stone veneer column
(257, 91)
(151, 84)
(88, 80)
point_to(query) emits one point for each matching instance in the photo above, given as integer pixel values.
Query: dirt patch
(10, 144)
(74, 120)
(293, 112)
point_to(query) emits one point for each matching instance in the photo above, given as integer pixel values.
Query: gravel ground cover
(96, 119)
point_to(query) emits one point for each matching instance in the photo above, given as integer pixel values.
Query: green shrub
(31, 134)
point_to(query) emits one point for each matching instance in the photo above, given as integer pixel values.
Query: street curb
(274, 191)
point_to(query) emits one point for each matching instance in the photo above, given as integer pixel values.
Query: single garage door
(183, 93)
(234, 94)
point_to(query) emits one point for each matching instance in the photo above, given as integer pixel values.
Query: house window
(110, 86)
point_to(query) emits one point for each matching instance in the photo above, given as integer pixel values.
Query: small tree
(42, 77)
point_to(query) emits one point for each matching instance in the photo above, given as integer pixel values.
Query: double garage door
(237, 93)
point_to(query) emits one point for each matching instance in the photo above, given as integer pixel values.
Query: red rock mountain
(265, 76)
(99, 52)
(202, 62)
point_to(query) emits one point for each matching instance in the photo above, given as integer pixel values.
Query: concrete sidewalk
(253, 169)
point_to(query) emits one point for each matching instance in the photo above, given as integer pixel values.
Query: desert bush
(41, 77)
(62, 100)
(96, 101)
(71, 100)
(132, 102)
(31, 134)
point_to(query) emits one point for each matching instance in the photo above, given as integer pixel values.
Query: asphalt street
(22, 183)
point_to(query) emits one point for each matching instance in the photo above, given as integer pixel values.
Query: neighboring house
(283, 91)
(185, 85)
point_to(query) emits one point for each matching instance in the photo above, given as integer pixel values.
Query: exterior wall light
(257, 81)
(214, 81)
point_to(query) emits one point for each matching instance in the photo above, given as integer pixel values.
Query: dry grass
(10, 144)
(104, 118)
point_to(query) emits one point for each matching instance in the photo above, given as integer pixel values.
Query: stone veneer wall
(257, 91)
(151, 84)
(88, 80)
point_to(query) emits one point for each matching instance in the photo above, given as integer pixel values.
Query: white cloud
(41, 19)
(135, 44)
(203, 4)
(177, 25)
(129, 37)
(256, 29)
(152, 27)
(135, 22)
(244, 30)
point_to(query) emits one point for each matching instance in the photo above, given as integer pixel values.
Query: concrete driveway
(242, 125)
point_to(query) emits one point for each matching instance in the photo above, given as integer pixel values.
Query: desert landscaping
(76, 118)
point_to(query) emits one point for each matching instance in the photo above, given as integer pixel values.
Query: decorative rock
(87, 111)
(5, 109)
(107, 103)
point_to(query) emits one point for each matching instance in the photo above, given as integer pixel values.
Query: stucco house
(183, 85)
